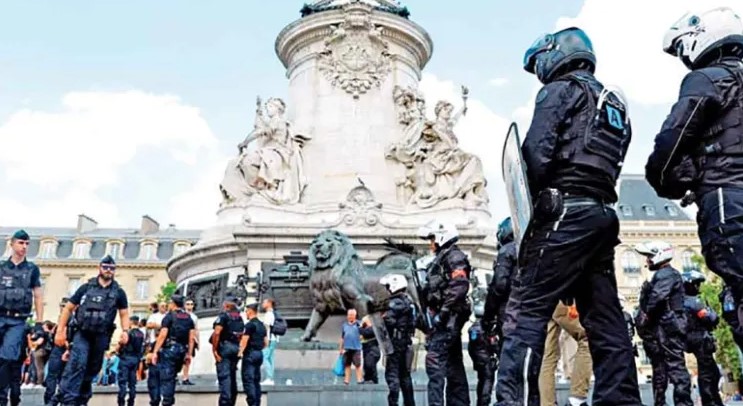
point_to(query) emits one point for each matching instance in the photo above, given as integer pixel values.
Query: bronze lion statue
(340, 281)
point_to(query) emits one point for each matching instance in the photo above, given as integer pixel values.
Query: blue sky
(87, 90)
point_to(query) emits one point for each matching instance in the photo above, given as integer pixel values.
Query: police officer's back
(665, 309)
(399, 320)
(482, 350)
(130, 354)
(95, 306)
(698, 148)
(573, 153)
(504, 273)
(702, 321)
(446, 295)
(228, 331)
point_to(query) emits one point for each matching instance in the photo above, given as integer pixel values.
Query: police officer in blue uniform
(228, 332)
(129, 356)
(664, 308)
(13, 391)
(95, 305)
(20, 288)
(698, 149)
(449, 307)
(504, 278)
(399, 320)
(702, 321)
(253, 341)
(55, 365)
(173, 347)
(573, 153)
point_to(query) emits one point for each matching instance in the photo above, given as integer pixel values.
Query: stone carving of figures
(274, 168)
(436, 168)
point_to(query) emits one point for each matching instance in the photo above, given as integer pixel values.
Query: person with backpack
(95, 305)
(275, 326)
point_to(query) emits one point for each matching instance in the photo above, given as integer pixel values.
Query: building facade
(68, 257)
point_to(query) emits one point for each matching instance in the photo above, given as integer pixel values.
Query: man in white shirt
(187, 366)
(154, 321)
(268, 353)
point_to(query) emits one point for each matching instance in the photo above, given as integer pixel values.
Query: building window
(687, 261)
(48, 249)
(148, 251)
(72, 285)
(180, 248)
(81, 250)
(672, 211)
(143, 289)
(626, 210)
(114, 249)
(649, 210)
(630, 263)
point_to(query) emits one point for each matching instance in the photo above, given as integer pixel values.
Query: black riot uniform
(370, 349)
(504, 275)
(171, 355)
(651, 344)
(630, 322)
(129, 356)
(448, 284)
(399, 320)
(573, 153)
(482, 350)
(228, 347)
(698, 149)
(666, 316)
(701, 321)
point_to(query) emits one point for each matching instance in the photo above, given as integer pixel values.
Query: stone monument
(350, 149)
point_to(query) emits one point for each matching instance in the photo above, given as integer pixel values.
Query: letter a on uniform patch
(615, 118)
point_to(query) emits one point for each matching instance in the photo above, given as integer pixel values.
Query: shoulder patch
(541, 95)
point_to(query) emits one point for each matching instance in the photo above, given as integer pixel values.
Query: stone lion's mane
(329, 275)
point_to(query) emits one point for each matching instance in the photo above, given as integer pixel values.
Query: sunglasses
(108, 268)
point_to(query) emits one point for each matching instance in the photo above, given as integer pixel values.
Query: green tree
(166, 291)
(727, 351)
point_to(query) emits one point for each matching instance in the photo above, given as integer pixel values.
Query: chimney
(85, 224)
(149, 225)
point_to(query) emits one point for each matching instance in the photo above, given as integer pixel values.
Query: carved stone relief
(355, 57)
(360, 207)
(207, 294)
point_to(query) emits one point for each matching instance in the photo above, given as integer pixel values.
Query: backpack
(279, 326)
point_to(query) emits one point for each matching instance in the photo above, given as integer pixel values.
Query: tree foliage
(727, 351)
(166, 291)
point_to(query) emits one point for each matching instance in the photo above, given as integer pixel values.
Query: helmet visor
(542, 44)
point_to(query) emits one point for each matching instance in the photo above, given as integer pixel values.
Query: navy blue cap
(253, 307)
(21, 235)
(108, 259)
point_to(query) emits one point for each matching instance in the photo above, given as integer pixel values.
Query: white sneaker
(267, 382)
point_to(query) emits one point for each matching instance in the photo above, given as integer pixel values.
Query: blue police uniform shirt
(180, 336)
(255, 329)
(121, 300)
(351, 335)
(26, 266)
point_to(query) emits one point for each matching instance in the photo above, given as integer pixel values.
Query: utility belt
(551, 204)
(254, 348)
(171, 342)
(14, 314)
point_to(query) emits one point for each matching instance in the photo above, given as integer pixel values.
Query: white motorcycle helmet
(441, 233)
(695, 38)
(657, 252)
(394, 282)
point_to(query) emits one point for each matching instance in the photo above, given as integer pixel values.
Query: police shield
(380, 331)
(517, 187)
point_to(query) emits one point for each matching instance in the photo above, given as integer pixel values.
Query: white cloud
(481, 132)
(498, 82)
(197, 207)
(71, 154)
(627, 38)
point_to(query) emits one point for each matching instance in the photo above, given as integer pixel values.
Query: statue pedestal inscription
(350, 149)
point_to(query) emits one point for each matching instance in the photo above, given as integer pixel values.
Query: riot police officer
(173, 347)
(702, 320)
(95, 305)
(446, 295)
(664, 307)
(504, 276)
(698, 148)
(482, 350)
(399, 320)
(56, 363)
(573, 153)
(21, 289)
(228, 331)
(630, 322)
(651, 345)
(253, 341)
(129, 356)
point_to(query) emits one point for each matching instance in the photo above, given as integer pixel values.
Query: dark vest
(16, 294)
(233, 331)
(135, 346)
(180, 330)
(97, 311)
(401, 321)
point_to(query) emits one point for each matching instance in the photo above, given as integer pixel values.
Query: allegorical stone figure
(436, 169)
(274, 169)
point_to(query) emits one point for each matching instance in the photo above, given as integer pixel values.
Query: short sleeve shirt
(351, 335)
(257, 332)
(121, 300)
(179, 335)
